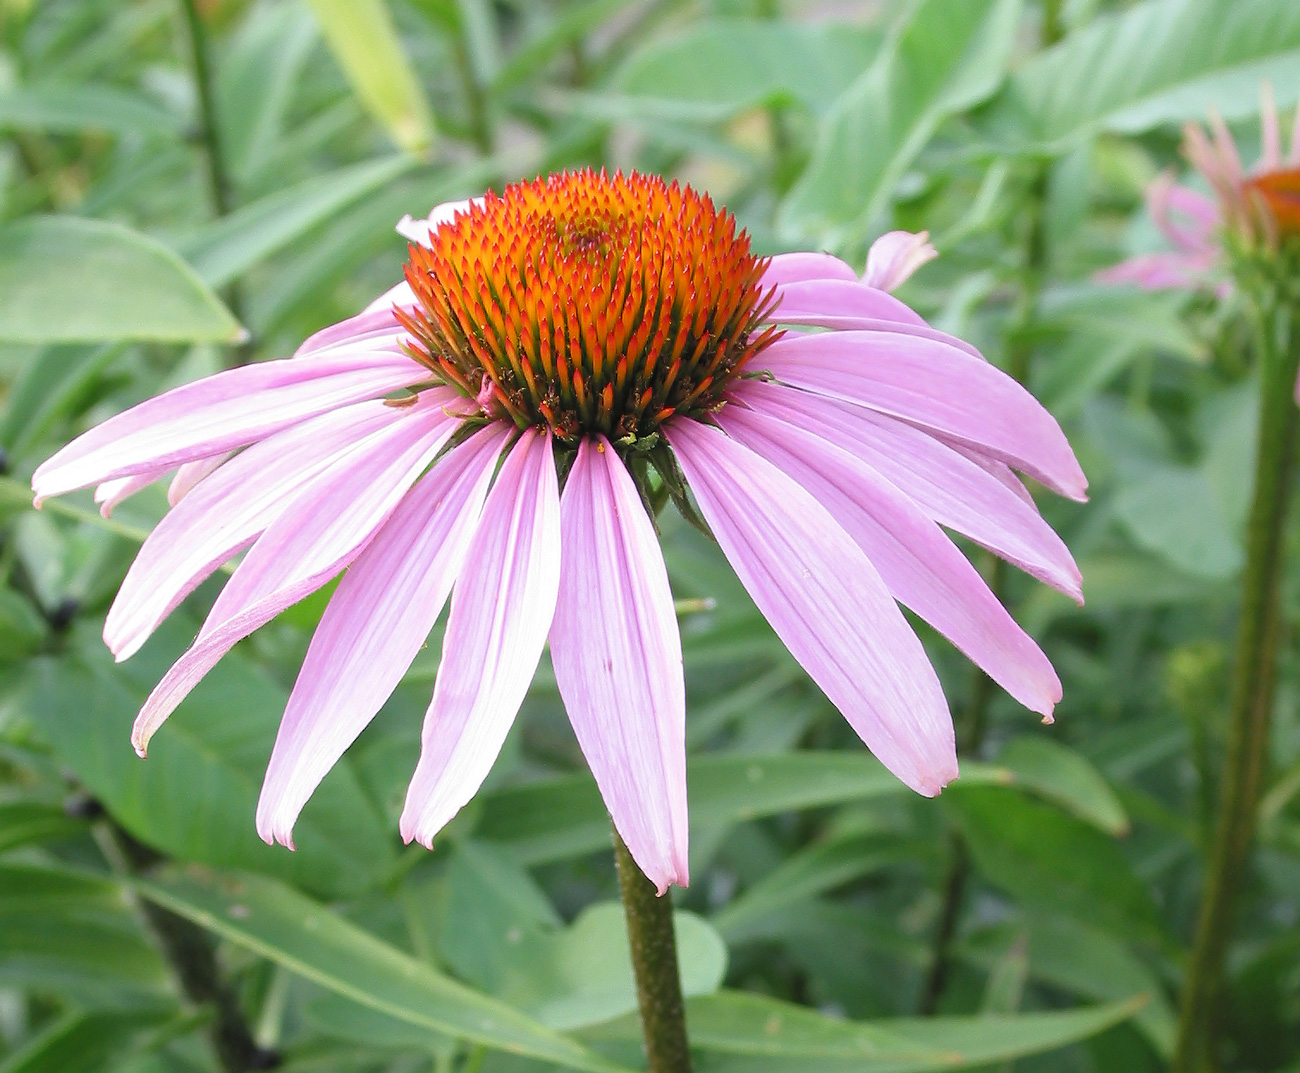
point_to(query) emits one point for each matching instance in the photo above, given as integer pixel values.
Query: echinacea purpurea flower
(592, 328)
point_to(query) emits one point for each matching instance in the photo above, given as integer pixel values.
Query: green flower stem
(1253, 687)
(654, 962)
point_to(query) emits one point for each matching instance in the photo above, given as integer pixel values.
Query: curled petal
(189, 475)
(501, 610)
(618, 660)
(419, 231)
(894, 256)
(110, 493)
(825, 601)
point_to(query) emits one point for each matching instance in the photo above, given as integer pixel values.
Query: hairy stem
(654, 962)
(1253, 687)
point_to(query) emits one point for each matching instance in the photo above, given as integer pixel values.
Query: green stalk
(1253, 687)
(654, 962)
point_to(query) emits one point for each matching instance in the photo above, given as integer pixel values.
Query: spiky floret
(1279, 192)
(589, 304)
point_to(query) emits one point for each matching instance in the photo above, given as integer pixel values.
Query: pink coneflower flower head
(498, 429)
(1251, 211)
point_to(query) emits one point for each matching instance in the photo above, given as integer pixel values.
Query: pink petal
(840, 298)
(952, 489)
(894, 256)
(189, 475)
(316, 535)
(110, 493)
(227, 513)
(618, 660)
(825, 601)
(375, 624)
(1293, 157)
(1169, 271)
(373, 328)
(501, 611)
(220, 412)
(787, 268)
(919, 564)
(871, 324)
(936, 387)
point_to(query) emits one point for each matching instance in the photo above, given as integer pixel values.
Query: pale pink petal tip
(894, 256)
(420, 231)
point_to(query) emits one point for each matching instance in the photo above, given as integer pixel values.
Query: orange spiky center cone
(1280, 193)
(589, 304)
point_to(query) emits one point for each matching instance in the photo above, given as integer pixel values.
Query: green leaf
(810, 872)
(941, 59)
(77, 108)
(1040, 856)
(1171, 511)
(776, 1035)
(362, 37)
(23, 823)
(719, 67)
(229, 247)
(276, 922)
(64, 279)
(1163, 61)
(1085, 961)
(1067, 778)
(83, 1042)
(563, 817)
(195, 797)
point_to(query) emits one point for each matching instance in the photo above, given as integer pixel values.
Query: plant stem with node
(654, 962)
(1254, 680)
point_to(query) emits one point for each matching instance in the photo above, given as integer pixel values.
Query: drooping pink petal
(952, 489)
(110, 493)
(936, 387)
(825, 601)
(921, 567)
(501, 610)
(375, 625)
(226, 513)
(894, 256)
(1226, 147)
(189, 475)
(787, 268)
(618, 660)
(840, 298)
(316, 535)
(218, 413)
(373, 328)
(1187, 218)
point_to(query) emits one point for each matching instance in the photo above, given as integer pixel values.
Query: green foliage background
(143, 222)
